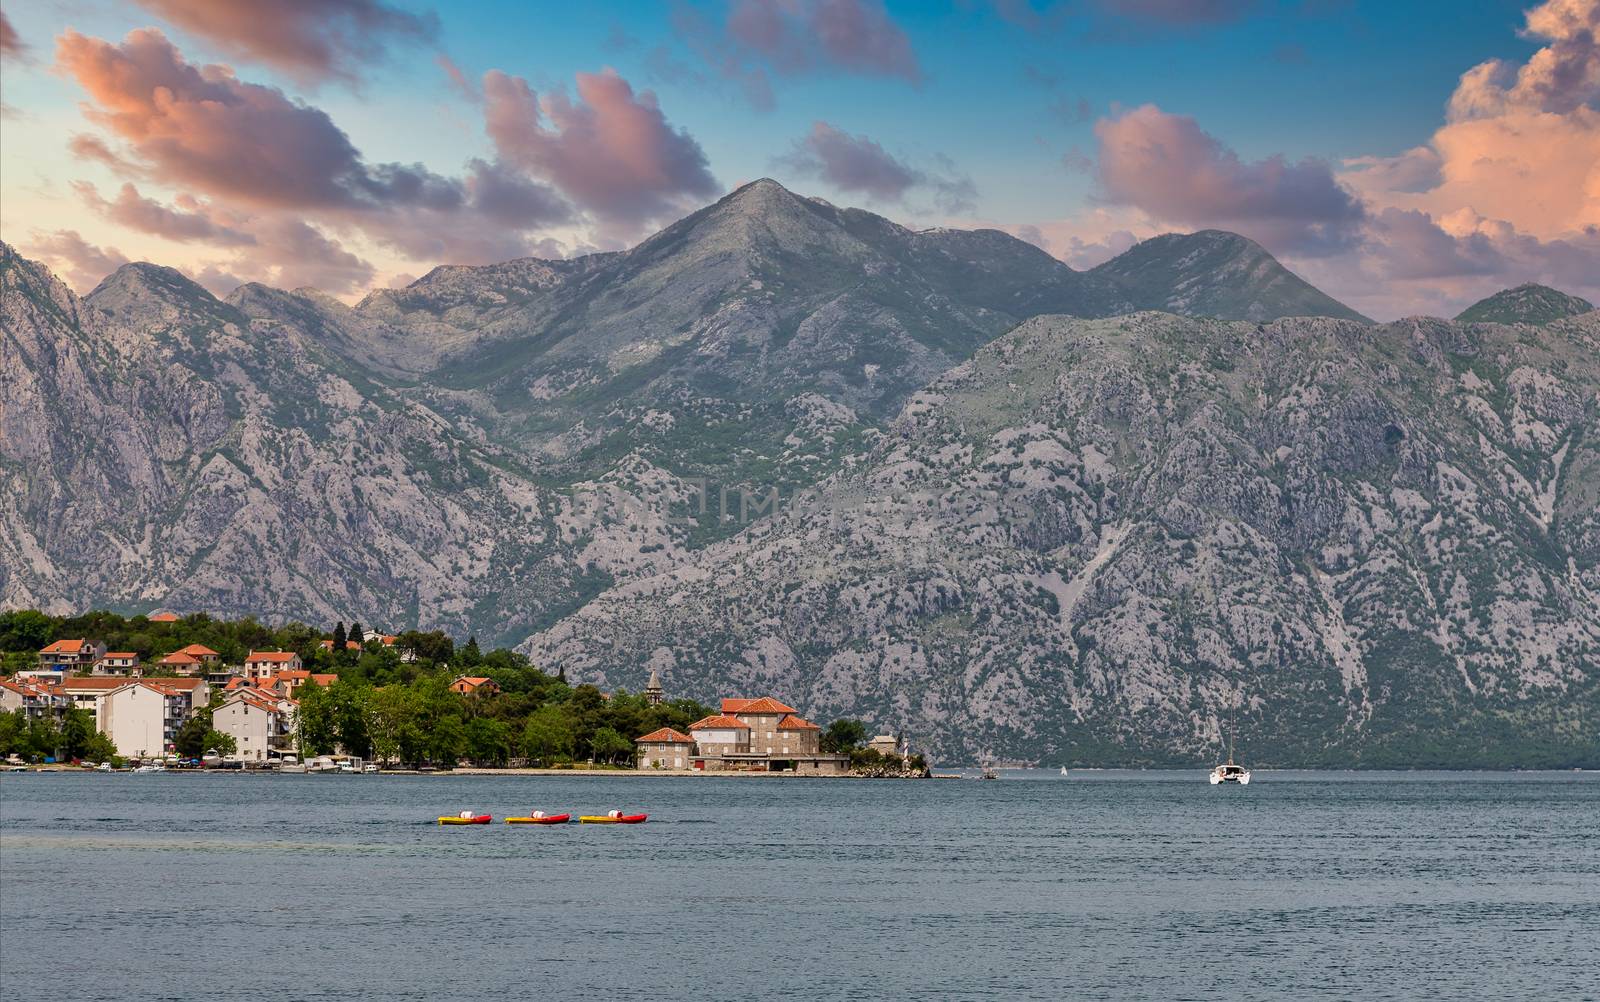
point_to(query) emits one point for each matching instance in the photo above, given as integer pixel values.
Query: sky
(1407, 158)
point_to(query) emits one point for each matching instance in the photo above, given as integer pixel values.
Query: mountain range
(1019, 513)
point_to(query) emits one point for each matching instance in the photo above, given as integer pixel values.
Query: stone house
(720, 735)
(665, 749)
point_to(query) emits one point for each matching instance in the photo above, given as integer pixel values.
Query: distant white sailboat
(1229, 772)
(1063, 770)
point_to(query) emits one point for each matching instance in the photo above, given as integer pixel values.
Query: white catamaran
(1228, 772)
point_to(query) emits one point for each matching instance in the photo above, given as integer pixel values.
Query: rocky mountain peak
(1219, 274)
(144, 292)
(1529, 303)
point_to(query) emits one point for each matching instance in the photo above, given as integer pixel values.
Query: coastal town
(358, 701)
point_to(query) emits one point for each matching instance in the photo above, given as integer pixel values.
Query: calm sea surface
(1099, 885)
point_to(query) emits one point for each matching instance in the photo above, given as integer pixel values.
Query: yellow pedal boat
(614, 818)
(465, 818)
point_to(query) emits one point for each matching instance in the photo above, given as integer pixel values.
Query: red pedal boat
(540, 818)
(465, 818)
(613, 818)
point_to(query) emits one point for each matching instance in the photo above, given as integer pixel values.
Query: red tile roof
(721, 722)
(65, 647)
(163, 617)
(122, 654)
(794, 723)
(665, 735)
(764, 705)
(279, 657)
(200, 651)
(102, 683)
(179, 658)
(735, 705)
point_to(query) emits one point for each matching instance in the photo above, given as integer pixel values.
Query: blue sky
(949, 113)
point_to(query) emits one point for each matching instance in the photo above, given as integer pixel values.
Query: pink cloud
(189, 222)
(611, 151)
(795, 37)
(1168, 167)
(83, 264)
(281, 171)
(311, 40)
(857, 164)
(10, 41)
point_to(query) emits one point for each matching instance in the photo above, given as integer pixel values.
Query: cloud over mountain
(1169, 167)
(611, 151)
(859, 165)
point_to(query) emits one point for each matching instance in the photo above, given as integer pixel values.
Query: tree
(350, 718)
(13, 733)
(446, 742)
(356, 635)
(547, 737)
(843, 736)
(24, 630)
(218, 743)
(470, 655)
(338, 637)
(315, 728)
(190, 741)
(100, 749)
(77, 728)
(609, 745)
(44, 737)
(487, 742)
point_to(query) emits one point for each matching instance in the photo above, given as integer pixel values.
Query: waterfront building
(142, 717)
(260, 723)
(749, 735)
(665, 749)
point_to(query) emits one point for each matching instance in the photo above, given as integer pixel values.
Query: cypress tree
(356, 635)
(338, 636)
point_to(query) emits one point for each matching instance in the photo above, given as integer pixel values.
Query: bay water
(1098, 885)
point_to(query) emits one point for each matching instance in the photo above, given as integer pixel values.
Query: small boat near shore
(612, 818)
(540, 818)
(465, 818)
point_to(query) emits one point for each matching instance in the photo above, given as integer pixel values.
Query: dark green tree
(843, 736)
(470, 656)
(315, 727)
(356, 635)
(610, 746)
(25, 630)
(190, 741)
(338, 637)
(218, 743)
(13, 733)
(77, 730)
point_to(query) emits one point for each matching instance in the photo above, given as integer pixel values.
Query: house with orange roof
(288, 682)
(749, 735)
(475, 685)
(33, 699)
(260, 664)
(162, 617)
(664, 748)
(142, 717)
(70, 655)
(117, 663)
(260, 723)
(178, 661)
